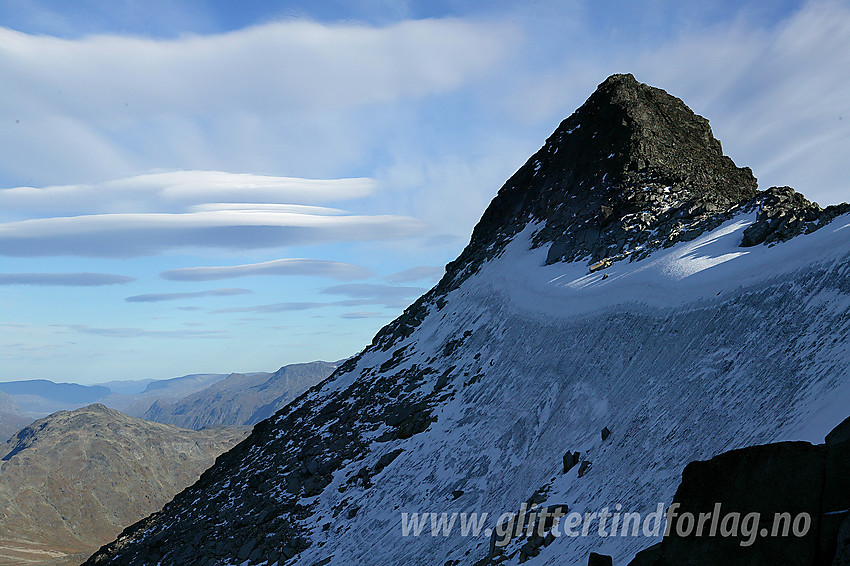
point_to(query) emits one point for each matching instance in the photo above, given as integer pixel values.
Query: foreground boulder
(791, 500)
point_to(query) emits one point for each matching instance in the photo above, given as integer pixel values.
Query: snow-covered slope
(684, 345)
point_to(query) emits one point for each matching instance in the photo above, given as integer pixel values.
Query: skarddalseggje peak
(630, 279)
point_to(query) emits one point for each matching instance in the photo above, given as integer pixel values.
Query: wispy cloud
(392, 296)
(64, 279)
(135, 234)
(157, 297)
(364, 314)
(288, 266)
(276, 307)
(122, 332)
(131, 103)
(180, 191)
(421, 273)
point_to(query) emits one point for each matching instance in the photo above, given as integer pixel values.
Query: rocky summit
(632, 170)
(629, 303)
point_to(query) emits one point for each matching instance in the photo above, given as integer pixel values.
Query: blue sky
(233, 186)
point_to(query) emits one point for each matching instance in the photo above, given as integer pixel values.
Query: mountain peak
(628, 131)
(630, 171)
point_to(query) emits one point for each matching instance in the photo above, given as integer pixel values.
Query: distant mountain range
(11, 419)
(72, 481)
(40, 397)
(192, 401)
(163, 390)
(240, 399)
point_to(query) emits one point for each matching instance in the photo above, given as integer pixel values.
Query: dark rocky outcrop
(784, 213)
(783, 483)
(629, 171)
(842, 547)
(570, 460)
(599, 560)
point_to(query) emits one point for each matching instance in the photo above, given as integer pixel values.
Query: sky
(207, 186)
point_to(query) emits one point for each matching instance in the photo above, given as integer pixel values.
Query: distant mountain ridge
(11, 419)
(63, 392)
(241, 399)
(191, 381)
(40, 397)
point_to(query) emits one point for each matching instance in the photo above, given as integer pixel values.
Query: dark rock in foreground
(792, 500)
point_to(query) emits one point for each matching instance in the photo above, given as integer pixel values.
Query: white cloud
(301, 64)
(392, 296)
(287, 266)
(178, 191)
(64, 279)
(158, 297)
(421, 273)
(364, 314)
(132, 332)
(132, 234)
(276, 307)
(258, 99)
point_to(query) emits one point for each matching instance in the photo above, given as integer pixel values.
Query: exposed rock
(584, 467)
(599, 560)
(839, 434)
(531, 523)
(842, 550)
(72, 481)
(784, 213)
(570, 460)
(791, 498)
(605, 434)
(601, 264)
(648, 557)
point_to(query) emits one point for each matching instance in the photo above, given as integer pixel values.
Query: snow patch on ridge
(688, 272)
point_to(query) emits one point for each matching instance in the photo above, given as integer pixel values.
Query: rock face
(631, 170)
(692, 346)
(799, 491)
(241, 399)
(784, 213)
(71, 481)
